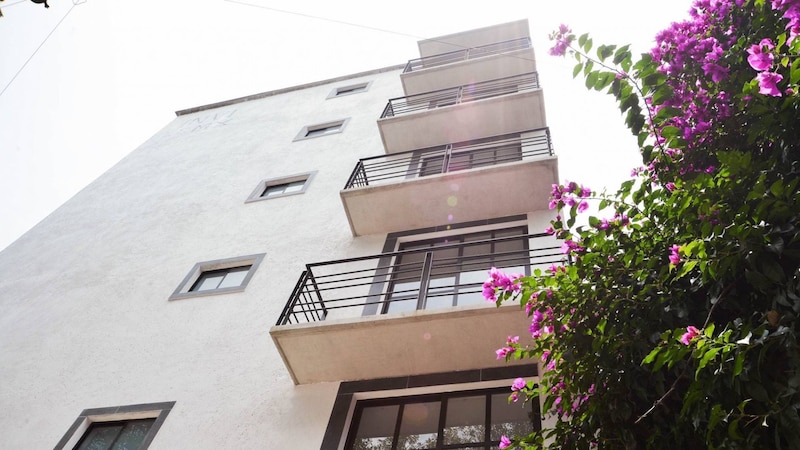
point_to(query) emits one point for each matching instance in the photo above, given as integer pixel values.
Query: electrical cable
(359, 25)
(37, 48)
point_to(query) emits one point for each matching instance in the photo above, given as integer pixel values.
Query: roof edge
(248, 98)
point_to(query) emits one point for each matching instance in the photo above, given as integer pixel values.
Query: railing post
(424, 280)
(316, 290)
(448, 149)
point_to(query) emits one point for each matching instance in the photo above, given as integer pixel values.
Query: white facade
(94, 316)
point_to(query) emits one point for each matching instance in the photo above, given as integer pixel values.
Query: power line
(357, 25)
(39, 47)
(325, 19)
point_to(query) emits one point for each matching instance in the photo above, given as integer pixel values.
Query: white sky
(113, 73)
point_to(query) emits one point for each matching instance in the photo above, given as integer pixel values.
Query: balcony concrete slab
(474, 194)
(505, 114)
(413, 343)
(466, 72)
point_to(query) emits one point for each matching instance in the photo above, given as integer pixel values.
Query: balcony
(465, 181)
(461, 67)
(506, 105)
(409, 312)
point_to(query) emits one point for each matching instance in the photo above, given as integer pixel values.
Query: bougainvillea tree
(675, 323)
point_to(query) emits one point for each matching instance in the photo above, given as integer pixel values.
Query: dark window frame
(352, 391)
(461, 262)
(443, 399)
(80, 426)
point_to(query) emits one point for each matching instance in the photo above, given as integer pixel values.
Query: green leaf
(604, 51)
(577, 70)
(582, 39)
(622, 54)
(651, 356)
(591, 79)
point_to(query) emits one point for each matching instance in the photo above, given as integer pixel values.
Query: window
(321, 129)
(131, 427)
(451, 410)
(457, 267)
(281, 187)
(451, 420)
(218, 277)
(470, 155)
(128, 434)
(342, 91)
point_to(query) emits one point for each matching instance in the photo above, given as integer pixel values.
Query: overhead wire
(357, 25)
(74, 4)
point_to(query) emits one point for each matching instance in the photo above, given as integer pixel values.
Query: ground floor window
(474, 419)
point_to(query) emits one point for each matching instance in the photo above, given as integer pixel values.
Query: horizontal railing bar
(413, 164)
(460, 94)
(441, 247)
(316, 296)
(467, 53)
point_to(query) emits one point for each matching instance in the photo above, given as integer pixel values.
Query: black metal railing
(461, 94)
(434, 277)
(412, 164)
(467, 53)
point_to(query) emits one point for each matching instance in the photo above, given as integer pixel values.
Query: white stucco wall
(86, 318)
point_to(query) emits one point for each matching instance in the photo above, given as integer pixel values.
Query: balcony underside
(511, 113)
(497, 191)
(469, 71)
(401, 344)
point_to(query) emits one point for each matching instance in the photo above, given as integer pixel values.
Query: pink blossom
(503, 351)
(767, 83)
(670, 186)
(759, 60)
(514, 396)
(691, 333)
(518, 384)
(512, 340)
(583, 206)
(674, 256)
(505, 442)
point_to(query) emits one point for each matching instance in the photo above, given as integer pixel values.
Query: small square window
(130, 427)
(281, 187)
(321, 129)
(342, 91)
(218, 277)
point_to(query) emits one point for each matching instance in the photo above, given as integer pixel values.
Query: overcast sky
(112, 73)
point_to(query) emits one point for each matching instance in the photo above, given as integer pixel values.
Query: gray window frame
(184, 288)
(157, 411)
(350, 89)
(303, 134)
(258, 193)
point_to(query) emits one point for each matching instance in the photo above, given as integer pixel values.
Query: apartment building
(300, 268)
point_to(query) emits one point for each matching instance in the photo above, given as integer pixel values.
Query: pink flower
(670, 186)
(759, 60)
(512, 340)
(767, 83)
(505, 442)
(691, 333)
(518, 384)
(502, 352)
(583, 206)
(674, 256)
